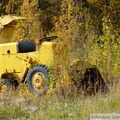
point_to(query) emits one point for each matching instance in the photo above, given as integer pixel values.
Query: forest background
(91, 29)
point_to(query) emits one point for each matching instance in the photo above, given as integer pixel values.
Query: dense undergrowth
(91, 30)
(15, 105)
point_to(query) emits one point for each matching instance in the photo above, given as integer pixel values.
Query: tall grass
(58, 107)
(65, 102)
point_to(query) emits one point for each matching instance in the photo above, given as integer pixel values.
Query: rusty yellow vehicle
(21, 62)
(26, 62)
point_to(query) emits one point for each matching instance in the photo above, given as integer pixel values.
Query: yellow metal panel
(1, 61)
(53, 53)
(46, 53)
(9, 48)
(11, 63)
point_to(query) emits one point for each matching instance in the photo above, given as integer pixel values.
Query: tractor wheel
(5, 85)
(8, 84)
(38, 79)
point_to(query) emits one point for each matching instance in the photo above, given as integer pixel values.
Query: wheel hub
(38, 80)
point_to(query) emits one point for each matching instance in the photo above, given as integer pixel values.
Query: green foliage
(15, 112)
(58, 108)
(106, 56)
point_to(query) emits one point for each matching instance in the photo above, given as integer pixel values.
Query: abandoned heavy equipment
(26, 62)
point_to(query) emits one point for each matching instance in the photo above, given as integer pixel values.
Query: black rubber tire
(42, 69)
(12, 85)
(8, 84)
